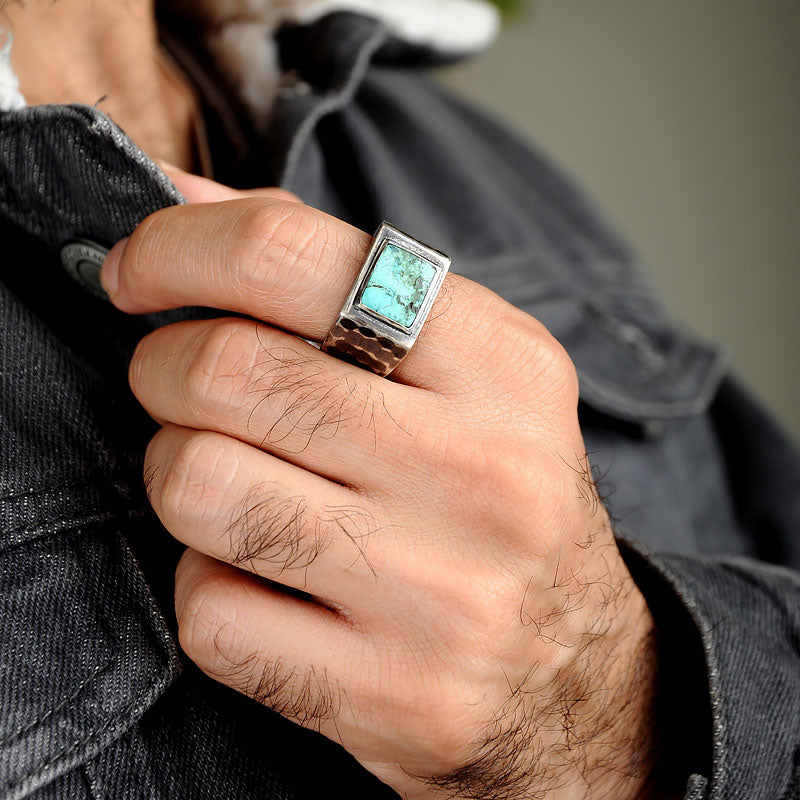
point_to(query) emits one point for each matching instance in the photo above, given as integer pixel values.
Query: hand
(419, 568)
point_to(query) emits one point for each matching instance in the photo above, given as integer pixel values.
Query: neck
(105, 52)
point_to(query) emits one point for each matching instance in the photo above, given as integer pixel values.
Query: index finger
(286, 264)
(279, 261)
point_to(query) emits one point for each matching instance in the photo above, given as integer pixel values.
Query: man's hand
(419, 568)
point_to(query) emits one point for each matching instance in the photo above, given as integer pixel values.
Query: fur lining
(10, 96)
(456, 27)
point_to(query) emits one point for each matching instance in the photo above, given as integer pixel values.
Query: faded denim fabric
(96, 701)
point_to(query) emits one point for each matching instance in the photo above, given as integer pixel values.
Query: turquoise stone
(398, 284)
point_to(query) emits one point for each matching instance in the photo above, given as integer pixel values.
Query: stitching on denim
(42, 525)
(698, 791)
(45, 528)
(702, 390)
(75, 745)
(81, 686)
(333, 103)
(719, 711)
(75, 119)
(168, 668)
(38, 491)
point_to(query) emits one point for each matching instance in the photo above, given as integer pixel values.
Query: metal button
(292, 85)
(82, 259)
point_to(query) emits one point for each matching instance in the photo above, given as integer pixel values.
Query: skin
(420, 567)
(104, 52)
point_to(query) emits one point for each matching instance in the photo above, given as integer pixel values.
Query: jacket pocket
(83, 649)
(634, 363)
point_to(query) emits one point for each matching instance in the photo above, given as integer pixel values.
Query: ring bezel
(367, 317)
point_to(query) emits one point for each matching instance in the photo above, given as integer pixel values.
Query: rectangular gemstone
(397, 285)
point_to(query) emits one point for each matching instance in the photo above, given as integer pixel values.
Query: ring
(389, 301)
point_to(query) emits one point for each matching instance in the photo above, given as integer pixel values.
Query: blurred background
(682, 120)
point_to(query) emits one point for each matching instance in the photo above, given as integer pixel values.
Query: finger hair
(270, 528)
(309, 697)
(318, 400)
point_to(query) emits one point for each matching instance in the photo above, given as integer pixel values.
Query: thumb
(203, 190)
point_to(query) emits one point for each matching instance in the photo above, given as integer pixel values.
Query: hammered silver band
(388, 303)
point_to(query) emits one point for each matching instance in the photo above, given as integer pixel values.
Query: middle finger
(277, 392)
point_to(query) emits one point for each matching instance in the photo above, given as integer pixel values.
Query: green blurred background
(507, 6)
(682, 119)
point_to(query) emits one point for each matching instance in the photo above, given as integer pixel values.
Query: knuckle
(288, 237)
(501, 333)
(140, 252)
(452, 452)
(206, 620)
(187, 479)
(136, 369)
(496, 470)
(513, 481)
(550, 363)
(525, 355)
(218, 371)
(517, 349)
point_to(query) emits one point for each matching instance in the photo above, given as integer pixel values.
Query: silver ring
(390, 299)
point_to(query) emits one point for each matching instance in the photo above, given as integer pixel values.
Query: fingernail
(109, 272)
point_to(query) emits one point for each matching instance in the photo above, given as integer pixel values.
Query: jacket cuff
(729, 672)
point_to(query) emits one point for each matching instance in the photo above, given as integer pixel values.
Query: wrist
(609, 743)
(590, 732)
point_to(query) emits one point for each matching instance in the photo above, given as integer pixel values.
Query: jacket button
(82, 259)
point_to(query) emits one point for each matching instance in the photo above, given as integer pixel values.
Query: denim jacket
(96, 699)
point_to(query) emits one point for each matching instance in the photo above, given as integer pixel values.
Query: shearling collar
(450, 26)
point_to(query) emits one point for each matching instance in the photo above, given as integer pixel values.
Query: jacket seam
(39, 720)
(61, 754)
(47, 527)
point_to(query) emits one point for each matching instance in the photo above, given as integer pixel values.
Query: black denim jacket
(96, 701)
